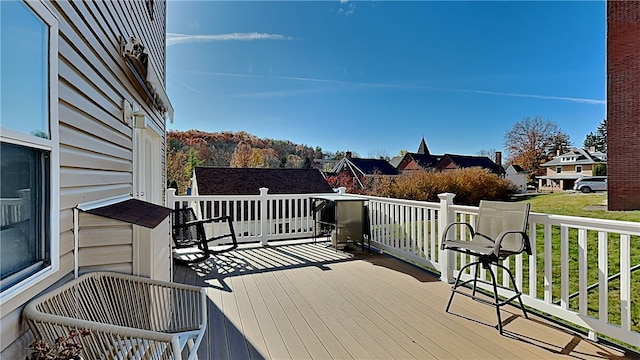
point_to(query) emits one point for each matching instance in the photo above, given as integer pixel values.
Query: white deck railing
(581, 269)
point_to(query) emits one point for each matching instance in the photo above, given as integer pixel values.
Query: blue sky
(374, 76)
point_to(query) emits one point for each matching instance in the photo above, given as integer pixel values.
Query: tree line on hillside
(188, 149)
(529, 143)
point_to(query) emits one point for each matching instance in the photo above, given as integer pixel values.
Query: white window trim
(48, 17)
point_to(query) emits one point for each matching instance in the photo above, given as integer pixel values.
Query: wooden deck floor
(308, 301)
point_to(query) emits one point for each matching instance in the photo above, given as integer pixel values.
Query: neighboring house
(359, 170)
(563, 170)
(451, 161)
(248, 181)
(424, 160)
(416, 161)
(518, 176)
(83, 120)
(421, 160)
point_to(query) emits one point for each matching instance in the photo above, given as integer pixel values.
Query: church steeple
(423, 149)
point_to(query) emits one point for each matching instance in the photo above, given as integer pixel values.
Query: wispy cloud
(187, 86)
(348, 10)
(533, 96)
(408, 87)
(173, 39)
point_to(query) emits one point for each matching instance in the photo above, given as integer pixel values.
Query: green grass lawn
(592, 206)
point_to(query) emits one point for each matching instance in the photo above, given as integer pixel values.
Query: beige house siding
(95, 145)
(587, 170)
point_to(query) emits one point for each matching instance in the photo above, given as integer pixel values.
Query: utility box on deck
(341, 216)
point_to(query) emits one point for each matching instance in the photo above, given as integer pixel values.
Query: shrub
(470, 186)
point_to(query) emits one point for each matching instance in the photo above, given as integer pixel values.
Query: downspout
(76, 240)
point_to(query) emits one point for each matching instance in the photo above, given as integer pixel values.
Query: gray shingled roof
(464, 161)
(582, 157)
(248, 181)
(367, 166)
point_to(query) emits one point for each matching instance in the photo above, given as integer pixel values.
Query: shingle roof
(465, 161)
(582, 157)
(248, 181)
(374, 166)
(425, 161)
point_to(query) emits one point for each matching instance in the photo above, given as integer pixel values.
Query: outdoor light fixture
(132, 115)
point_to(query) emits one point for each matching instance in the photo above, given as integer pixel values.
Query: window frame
(48, 17)
(558, 169)
(579, 169)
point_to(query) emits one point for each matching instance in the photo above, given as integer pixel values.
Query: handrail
(595, 285)
(411, 230)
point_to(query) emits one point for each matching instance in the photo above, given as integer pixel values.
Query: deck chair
(188, 232)
(499, 232)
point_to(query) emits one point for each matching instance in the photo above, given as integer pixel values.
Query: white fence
(582, 270)
(262, 218)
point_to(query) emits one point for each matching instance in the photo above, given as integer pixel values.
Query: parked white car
(588, 184)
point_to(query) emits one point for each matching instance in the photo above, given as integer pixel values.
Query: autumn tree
(293, 162)
(469, 184)
(241, 155)
(176, 163)
(193, 161)
(597, 140)
(533, 141)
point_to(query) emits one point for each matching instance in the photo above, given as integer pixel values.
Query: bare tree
(533, 141)
(490, 153)
(378, 154)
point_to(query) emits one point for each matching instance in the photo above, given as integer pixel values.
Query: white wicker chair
(128, 317)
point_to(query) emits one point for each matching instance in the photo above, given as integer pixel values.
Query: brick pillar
(623, 104)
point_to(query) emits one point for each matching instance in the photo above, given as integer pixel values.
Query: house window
(578, 169)
(28, 144)
(558, 169)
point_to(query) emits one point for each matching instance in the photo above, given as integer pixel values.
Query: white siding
(95, 144)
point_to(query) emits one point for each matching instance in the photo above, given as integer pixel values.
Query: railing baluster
(603, 274)
(625, 282)
(582, 271)
(564, 267)
(533, 261)
(548, 269)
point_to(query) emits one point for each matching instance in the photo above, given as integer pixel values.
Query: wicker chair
(189, 233)
(128, 317)
(499, 232)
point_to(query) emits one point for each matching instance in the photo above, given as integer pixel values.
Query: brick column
(623, 104)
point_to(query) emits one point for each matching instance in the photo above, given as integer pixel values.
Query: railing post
(264, 229)
(446, 217)
(170, 200)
